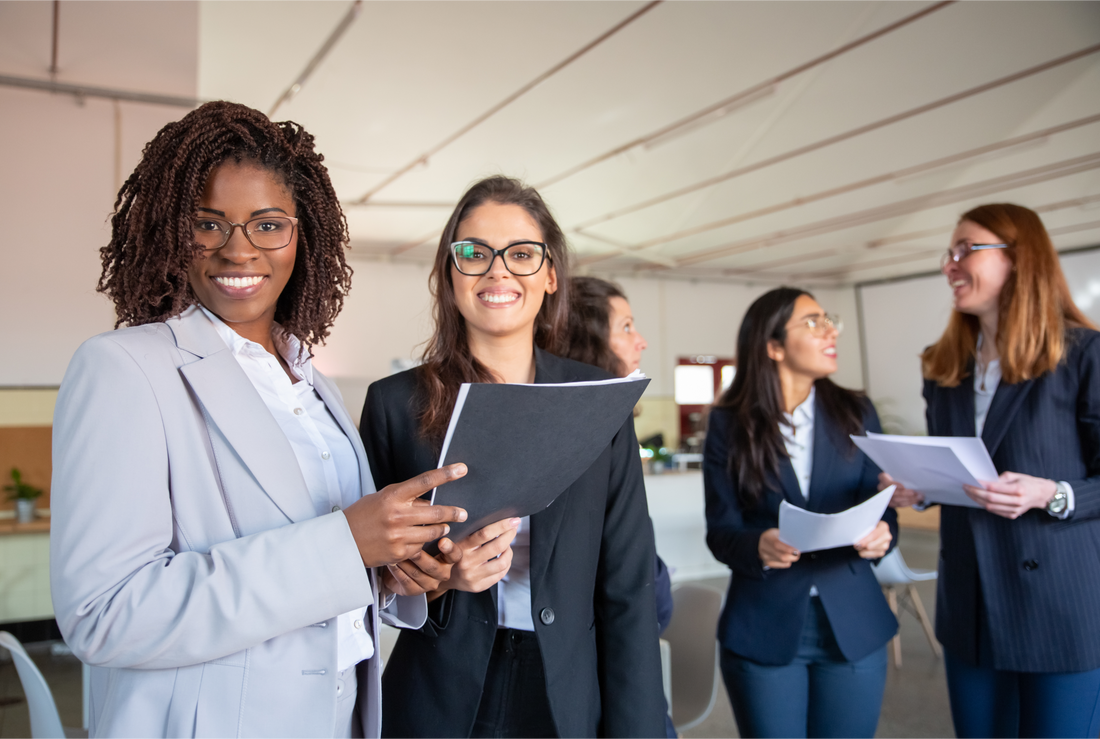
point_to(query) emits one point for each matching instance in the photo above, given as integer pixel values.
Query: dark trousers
(819, 694)
(989, 702)
(513, 699)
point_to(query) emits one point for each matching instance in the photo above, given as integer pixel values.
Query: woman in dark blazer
(556, 636)
(803, 637)
(1018, 603)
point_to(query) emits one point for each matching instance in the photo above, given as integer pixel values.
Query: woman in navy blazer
(803, 638)
(1018, 606)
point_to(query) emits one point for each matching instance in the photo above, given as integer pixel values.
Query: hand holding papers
(525, 444)
(809, 532)
(936, 466)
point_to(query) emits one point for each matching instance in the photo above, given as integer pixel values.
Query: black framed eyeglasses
(267, 233)
(962, 250)
(522, 258)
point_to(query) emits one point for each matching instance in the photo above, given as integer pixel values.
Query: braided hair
(152, 228)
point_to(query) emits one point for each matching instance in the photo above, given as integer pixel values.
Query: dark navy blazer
(765, 609)
(592, 597)
(1038, 577)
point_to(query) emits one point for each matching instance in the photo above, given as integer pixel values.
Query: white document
(935, 466)
(807, 531)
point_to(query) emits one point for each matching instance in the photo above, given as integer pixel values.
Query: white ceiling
(830, 176)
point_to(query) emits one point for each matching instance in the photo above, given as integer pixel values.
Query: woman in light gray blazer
(217, 556)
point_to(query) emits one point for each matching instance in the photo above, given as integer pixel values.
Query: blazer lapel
(788, 484)
(1006, 403)
(824, 454)
(545, 523)
(233, 405)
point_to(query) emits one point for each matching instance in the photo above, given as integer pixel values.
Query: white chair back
(45, 721)
(693, 642)
(892, 570)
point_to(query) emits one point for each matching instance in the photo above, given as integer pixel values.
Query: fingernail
(514, 523)
(460, 470)
(446, 529)
(416, 555)
(461, 515)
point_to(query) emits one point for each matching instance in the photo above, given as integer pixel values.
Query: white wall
(901, 318)
(58, 163)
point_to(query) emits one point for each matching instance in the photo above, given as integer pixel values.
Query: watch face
(1058, 502)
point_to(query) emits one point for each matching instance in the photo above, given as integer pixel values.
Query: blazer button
(1030, 565)
(546, 615)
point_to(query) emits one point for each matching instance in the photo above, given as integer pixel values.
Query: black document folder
(524, 445)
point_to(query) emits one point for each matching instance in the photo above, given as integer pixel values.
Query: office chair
(45, 721)
(694, 651)
(897, 582)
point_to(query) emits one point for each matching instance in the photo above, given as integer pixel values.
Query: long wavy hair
(1036, 306)
(756, 398)
(447, 359)
(152, 229)
(590, 323)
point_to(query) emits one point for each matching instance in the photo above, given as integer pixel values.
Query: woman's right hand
(774, 553)
(395, 523)
(903, 497)
(485, 559)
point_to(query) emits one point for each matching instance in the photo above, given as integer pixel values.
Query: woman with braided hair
(219, 555)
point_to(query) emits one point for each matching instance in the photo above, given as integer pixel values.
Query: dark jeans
(513, 699)
(990, 702)
(819, 694)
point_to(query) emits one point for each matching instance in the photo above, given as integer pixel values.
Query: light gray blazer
(187, 564)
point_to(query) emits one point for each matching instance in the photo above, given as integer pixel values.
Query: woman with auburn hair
(547, 625)
(1018, 602)
(218, 554)
(803, 635)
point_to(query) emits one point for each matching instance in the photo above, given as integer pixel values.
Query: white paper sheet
(935, 466)
(807, 531)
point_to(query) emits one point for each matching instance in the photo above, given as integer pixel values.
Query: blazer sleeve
(733, 542)
(625, 604)
(1086, 491)
(127, 592)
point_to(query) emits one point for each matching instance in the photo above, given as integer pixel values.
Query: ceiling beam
(326, 47)
(837, 138)
(90, 91)
(423, 158)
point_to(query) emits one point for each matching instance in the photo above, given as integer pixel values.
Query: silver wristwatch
(1057, 505)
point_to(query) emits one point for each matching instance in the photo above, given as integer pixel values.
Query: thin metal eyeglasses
(522, 258)
(267, 233)
(821, 325)
(962, 250)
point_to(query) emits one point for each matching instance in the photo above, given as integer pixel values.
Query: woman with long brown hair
(1018, 604)
(803, 635)
(547, 625)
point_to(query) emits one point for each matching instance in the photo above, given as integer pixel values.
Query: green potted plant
(24, 496)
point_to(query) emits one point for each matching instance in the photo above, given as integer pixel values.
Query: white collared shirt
(798, 437)
(324, 453)
(514, 589)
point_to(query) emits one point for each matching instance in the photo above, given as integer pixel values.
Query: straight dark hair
(756, 398)
(447, 359)
(590, 323)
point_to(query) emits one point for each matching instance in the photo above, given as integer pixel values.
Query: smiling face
(499, 304)
(623, 338)
(977, 280)
(238, 282)
(804, 353)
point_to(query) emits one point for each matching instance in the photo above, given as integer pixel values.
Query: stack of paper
(808, 532)
(935, 466)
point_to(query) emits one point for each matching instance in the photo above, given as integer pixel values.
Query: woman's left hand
(421, 573)
(1013, 494)
(876, 543)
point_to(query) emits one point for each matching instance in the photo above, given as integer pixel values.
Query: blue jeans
(819, 694)
(990, 702)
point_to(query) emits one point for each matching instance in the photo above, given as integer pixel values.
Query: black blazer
(592, 598)
(766, 609)
(1038, 577)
